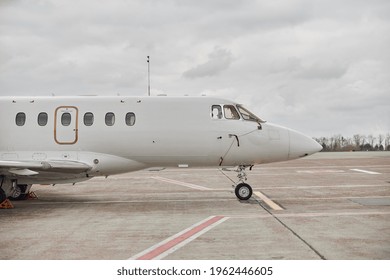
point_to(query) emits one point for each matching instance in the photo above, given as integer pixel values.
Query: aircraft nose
(302, 145)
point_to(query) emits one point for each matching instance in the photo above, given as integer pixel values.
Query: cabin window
(20, 119)
(216, 112)
(130, 119)
(88, 119)
(66, 119)
(231, 112)
(42, 119)
(110, 119)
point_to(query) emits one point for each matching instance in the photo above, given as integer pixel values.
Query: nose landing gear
(243, 191)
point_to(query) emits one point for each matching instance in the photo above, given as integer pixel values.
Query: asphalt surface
(327, 206)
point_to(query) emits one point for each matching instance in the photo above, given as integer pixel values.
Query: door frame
(75, 126)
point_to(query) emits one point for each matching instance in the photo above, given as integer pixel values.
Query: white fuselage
(114, 135)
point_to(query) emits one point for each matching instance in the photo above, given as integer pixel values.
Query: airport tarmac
(327, 206)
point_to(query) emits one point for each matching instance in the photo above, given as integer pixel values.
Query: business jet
(54, 140)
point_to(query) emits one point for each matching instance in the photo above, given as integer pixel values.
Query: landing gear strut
(21, 192)
(10, 189)
(243, 191)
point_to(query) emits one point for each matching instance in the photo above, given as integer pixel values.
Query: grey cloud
(294, 62)
(218, 61)
(322, 70)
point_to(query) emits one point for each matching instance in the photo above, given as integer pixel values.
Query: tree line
(357, 142)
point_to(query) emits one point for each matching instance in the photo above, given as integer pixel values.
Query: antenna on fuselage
(148, 61)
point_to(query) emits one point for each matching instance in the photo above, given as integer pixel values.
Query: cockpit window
(231, 112)
(247, 115)
(216, 112)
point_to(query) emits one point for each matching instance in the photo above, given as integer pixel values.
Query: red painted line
(161, 249)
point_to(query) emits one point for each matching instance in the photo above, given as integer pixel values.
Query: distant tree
(331, 144)
(323, 141)
(338, 142)
(357, 143)
(371, 140)
(381, 137)
(357, 138)
(367, 147)
(348, 144)
(387, 142)
(363, 142)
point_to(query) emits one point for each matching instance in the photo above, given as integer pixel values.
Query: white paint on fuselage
(168, 131)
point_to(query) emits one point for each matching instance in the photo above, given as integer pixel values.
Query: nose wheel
(243, 191)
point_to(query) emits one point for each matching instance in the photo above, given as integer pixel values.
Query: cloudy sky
(318, 66)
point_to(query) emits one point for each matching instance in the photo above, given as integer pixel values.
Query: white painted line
(179, 240)
(365, 171)
(331, 198)
(188, 185)
(339, 214)
(269, 202)
(320, 171)
(318, 187)
(319, 214)
(130, 201)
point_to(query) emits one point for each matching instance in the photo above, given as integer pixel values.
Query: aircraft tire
(22, 194)
(243, 191)
(3, 196)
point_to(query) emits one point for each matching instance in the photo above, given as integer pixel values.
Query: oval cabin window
(130, 119)
(88, 119)
(110, 119)
(20, 119)
(42, 119)
(66, 119)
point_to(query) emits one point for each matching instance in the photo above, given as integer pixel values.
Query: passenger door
(66, 125)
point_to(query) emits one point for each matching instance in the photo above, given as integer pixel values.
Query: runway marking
(331, 198)
(311, 214)
(365, 171)
(173, 243)
(131, 201)
(330, 186)
(320, 171)
(190, 200)
(332, 214)
(268, 201)
(188, 185)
